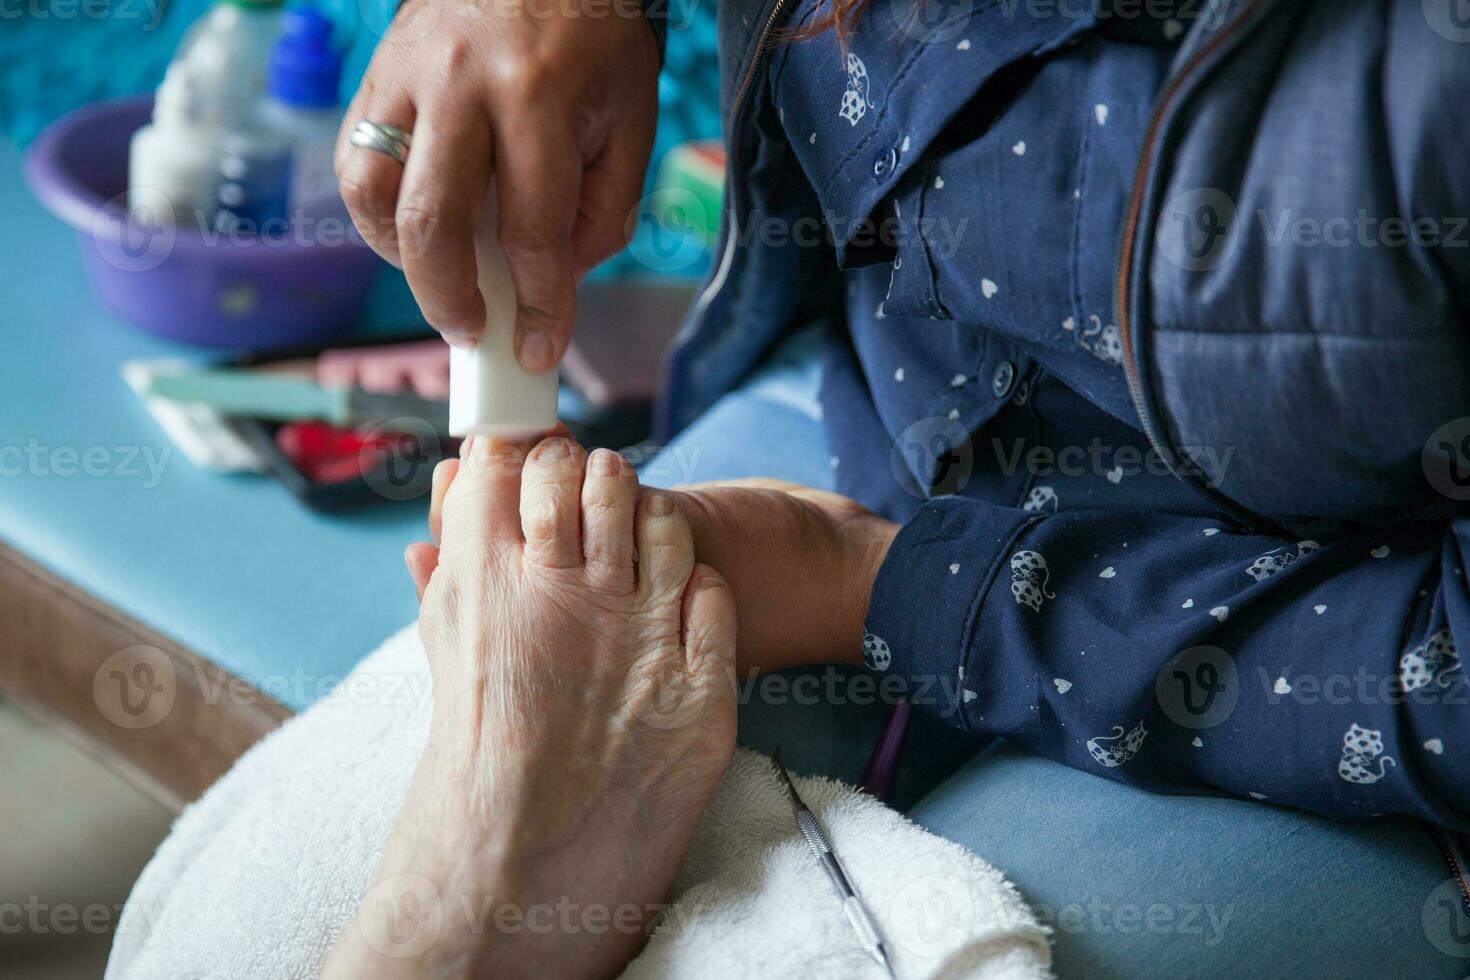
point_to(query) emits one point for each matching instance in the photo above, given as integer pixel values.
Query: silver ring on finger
(381, 138)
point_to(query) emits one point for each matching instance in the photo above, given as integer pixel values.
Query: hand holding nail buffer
(490, 394)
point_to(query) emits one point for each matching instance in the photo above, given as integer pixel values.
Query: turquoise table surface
(231, 567)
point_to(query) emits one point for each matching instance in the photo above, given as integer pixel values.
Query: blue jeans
(1135, 885)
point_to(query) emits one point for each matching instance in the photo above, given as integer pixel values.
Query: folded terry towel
(259, 876)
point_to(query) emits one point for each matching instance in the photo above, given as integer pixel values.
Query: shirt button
(884, 163)
(1003, 378)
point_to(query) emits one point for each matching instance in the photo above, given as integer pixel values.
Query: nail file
(202, 434)
(490, 394)
(280, 397)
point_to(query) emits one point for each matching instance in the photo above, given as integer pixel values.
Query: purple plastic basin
(288, 286)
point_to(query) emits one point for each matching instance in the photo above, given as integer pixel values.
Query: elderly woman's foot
(583, 713)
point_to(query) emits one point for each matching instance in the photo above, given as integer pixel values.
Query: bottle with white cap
(171, 161)
(490, 394)
(227, 52)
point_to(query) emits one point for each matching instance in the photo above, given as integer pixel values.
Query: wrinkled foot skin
(583, 713)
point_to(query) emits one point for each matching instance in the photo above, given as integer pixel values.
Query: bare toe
(551, 490)
(665, 546)
(609, 499)
(483, 502)
(709, 623)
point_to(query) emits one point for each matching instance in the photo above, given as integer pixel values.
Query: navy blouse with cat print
(1053, 582)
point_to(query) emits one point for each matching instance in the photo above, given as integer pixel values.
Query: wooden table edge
(197, 718)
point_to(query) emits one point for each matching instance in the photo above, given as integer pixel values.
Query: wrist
(868, 540)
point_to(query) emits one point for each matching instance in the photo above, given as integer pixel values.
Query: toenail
(605, 462)
(507, 459)
(660, 505)
(553, 449)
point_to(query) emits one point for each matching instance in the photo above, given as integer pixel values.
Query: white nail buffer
(490, 394)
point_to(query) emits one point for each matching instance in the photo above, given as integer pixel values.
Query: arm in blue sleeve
(1184, 656)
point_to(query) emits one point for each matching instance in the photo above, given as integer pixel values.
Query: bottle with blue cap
(301, 104)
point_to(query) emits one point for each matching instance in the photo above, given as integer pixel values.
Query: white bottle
(490, 394)
(227, 53)
(171, 161)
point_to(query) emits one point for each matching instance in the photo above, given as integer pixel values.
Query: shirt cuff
(925, 600)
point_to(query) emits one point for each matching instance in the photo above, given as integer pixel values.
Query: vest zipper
(1121, 296)
(727, 247)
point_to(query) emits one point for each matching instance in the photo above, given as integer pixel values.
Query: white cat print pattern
(1029, 576)
(1039, 500)
(1429, 663)
(1103, 340)
(875, 652)
(1114, 749)
(855, 96)
(1274, 561)
(1361, 749)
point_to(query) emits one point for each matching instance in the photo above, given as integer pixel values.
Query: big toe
(483, 502)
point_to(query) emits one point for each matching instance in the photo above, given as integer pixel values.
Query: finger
(537, 180)
(444, 474)
(444, 187)
(369, 181)
(421, 558)
(611, 188)
(609, 500)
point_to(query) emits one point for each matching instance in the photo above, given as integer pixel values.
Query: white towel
(259, 876)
